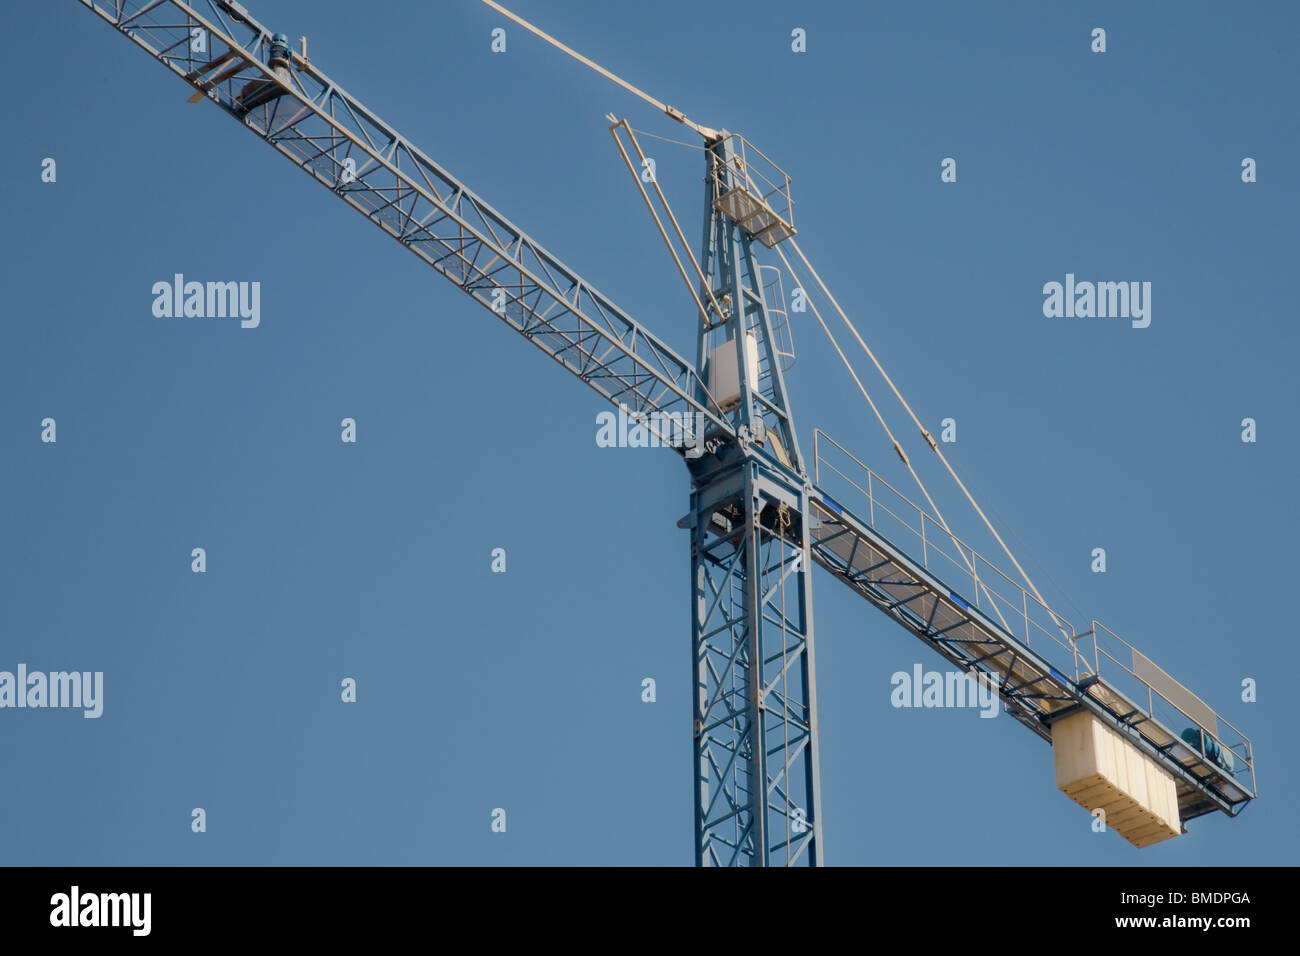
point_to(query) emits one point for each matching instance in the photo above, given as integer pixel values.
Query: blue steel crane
(758, 518)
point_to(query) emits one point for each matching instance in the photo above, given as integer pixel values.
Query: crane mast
(757, 790)
(754, 726)
(757, 520)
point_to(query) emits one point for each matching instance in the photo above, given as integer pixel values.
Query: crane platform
(900, 559)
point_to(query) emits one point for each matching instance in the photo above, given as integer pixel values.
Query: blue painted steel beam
(346, 147)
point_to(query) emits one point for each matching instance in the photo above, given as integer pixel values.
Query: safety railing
(755, 192)
(924, 539)
(1171, 705)
(1098, 653)
(778, 317)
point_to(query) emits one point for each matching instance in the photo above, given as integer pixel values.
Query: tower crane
(1126, 736)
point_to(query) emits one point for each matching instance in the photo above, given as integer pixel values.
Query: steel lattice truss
(1033, 691)
(345, 147)
(727, 258)
(756, 792)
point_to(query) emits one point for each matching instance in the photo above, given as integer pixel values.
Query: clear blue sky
(522, 691)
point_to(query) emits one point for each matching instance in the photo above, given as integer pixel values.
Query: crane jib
(232, 60)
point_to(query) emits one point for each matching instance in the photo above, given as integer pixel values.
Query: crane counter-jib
(880, 547)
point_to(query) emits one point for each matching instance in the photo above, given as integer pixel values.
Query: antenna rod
(675, 113)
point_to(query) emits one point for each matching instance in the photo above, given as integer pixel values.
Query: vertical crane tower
(757, 792)
(758, 520)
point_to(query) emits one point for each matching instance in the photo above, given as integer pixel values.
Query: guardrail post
(871, 501)
(974, 574)
(1024, 606)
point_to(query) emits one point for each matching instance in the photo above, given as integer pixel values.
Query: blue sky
(522, 690)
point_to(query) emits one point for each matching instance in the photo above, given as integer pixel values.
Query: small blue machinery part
(279, 51)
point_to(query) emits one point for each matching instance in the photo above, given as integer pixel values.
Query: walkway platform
(899, 558)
